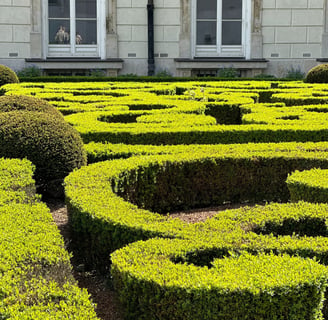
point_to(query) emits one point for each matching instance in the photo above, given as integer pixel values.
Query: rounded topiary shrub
(27, 103)
(318, 74)
(7, 76)
(52, 145)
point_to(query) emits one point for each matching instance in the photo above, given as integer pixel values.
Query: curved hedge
(239, 287)
(109, 203)
(172, 182)
(103, 222)
(309, 185)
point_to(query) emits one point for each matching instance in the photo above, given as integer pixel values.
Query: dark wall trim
(74, 59)
(151, 58)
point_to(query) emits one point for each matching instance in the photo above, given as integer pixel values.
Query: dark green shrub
(31, 71)
(294, 74)
(7, 76)
(27, 103)
(318, 74)
(53, 146)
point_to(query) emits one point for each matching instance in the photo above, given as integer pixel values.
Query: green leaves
(35, 271)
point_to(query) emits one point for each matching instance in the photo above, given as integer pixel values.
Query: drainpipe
(151, 59)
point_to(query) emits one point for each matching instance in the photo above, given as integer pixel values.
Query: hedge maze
(156, 148)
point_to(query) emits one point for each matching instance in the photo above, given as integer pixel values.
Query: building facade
(179, 37)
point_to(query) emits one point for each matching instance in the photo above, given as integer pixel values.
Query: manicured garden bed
(155, 148)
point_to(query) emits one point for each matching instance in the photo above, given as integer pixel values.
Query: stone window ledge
(247, 68)
(49, 65)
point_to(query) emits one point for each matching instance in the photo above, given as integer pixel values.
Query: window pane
(232, 9)
(86, 32)
(59, 32)
(86, 8)
(206, 33)
(206, 9)
(58, 8)
(231, 32)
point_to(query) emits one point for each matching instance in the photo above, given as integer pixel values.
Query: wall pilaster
(185, 31)
(36, 29)
(256, 31)
(324, 43)
(111, 30)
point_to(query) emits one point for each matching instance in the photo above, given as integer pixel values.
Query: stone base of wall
(77, 66)
(210, 66)
(280, 68)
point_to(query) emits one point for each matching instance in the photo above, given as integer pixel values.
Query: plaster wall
(132, 34)
(288, 33)
(15, 28)
(292, 34)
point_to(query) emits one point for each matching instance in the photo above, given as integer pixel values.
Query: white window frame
(71, 50)
(219, 50)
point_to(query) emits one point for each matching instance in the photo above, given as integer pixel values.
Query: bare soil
(107, 304)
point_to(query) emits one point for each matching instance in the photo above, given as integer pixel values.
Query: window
(74, 28)
(221, 27)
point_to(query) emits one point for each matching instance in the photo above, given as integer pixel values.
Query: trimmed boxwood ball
(318, 74)
(52, 145)
(27, 103)
(7, 76)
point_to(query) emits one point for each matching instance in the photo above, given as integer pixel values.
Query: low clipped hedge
(52, 145)
(91, 128)
(243, 286)
(156, 113)
(36, 280)
(16, 182)
(150, 275)
(193, 177)
(309, 185)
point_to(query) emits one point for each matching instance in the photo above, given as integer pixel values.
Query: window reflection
(59, 8)
(229, 26)
(206, 22)
(59, 31)
(231, 33)
(64, 23)
(206, 32)
(86, 8)
(86, 32)
(206, 9)
(232, 9)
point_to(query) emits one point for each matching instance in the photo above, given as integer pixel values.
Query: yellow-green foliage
(236, 287)
(106, 222)
(235, 265)
(169, 113)
(309, 185)
(35, 271)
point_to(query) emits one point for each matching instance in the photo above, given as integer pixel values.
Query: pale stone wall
(292, 34)
(15, 27)
(132, 34)
(288, 33)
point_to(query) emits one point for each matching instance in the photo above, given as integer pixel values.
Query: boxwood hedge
(309, 185)
(35, 272)
(238, 258)
(104, 222)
